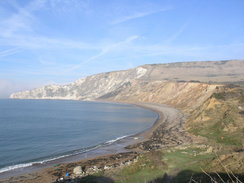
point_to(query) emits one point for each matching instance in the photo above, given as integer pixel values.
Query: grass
(155, 164)
(191, 158)
(215, 132)
(224, 125)
(148, 167)
(142, 175)
(241, 99)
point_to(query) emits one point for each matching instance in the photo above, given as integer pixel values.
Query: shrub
(219, 96)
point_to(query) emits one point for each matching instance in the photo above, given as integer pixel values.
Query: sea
(38, 131)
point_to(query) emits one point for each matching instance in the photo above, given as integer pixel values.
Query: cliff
(148, 83)
(182, 95)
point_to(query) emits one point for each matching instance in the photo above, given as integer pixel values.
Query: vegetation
(220, 122)
(219, 96)
(147, 167)
(241, 99)
(224, 122)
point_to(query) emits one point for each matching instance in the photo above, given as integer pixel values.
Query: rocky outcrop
(157, 81)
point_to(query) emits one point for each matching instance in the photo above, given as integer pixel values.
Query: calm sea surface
(34, 131)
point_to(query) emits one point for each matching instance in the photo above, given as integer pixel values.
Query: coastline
(169, 119)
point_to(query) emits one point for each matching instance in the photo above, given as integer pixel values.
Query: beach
(166, 131)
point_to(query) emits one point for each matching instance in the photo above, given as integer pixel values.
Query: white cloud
(42, 42)
(105, 50)
(22, 20)
(18, 31)
(138, 15)
(211, 52)
(8, 52)
(177, 34)
(46, 62)
(69, 6)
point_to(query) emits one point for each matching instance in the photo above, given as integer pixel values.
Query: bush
(219, 96)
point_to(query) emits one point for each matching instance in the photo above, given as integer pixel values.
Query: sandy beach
(166, 131)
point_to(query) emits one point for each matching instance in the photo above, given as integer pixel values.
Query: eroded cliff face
(181, 85)
(182, 95)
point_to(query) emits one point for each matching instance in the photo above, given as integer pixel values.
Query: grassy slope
(219, 119)
(221, 122)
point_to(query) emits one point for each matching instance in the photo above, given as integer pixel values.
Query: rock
(135, 160)
(95, 169)
(209, 150)
(77, 170)
(128, 163)
(106, 167)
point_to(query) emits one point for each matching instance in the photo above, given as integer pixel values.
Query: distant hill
(110, 84)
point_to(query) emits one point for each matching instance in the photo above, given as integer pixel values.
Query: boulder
(77, 170)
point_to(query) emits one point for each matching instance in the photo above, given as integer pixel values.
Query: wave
(25, 165)
(117, 139)
(6, 169)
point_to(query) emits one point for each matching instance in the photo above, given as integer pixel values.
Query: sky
(58, 41)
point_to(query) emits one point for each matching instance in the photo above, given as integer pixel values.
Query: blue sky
(59, 41)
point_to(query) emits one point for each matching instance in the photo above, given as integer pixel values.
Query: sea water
(37, 131)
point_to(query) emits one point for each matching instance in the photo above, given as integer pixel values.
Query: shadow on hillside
(88, 179)
(188, 176)
(185, 176)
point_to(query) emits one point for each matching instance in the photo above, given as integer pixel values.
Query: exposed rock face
(146, 83)
(88, 88)
(183, 95)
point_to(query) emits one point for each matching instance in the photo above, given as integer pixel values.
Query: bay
(40, 130)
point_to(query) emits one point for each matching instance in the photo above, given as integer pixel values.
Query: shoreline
(137, 143)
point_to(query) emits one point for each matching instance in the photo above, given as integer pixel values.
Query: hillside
(182, 95)
(202, 143)
(112, 83)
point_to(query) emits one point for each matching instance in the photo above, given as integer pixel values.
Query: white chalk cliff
(114, 84)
